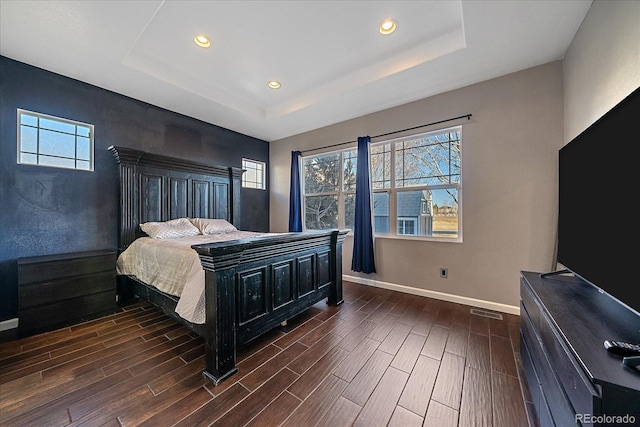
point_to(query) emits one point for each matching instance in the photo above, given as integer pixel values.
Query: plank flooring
(382, 358)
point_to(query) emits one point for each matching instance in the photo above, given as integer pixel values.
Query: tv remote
(622, 348)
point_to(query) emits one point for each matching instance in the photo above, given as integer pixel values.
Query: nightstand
(55, 291)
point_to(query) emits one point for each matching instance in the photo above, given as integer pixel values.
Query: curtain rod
(468, 116)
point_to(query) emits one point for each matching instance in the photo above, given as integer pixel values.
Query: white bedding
(172, 266)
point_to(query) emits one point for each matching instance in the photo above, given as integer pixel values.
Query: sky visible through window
(49, 141)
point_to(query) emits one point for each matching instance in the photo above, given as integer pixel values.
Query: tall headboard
(159, 188)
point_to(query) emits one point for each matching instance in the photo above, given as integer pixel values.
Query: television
(599, 189)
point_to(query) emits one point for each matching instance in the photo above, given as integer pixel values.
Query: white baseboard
(489, 305)
(5, 325)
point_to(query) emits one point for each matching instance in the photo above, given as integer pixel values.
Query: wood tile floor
(382, 358)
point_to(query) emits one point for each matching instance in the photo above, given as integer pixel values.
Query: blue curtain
(363, 259)
(295, 202)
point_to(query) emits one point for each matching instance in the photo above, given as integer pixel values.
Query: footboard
(253, 285)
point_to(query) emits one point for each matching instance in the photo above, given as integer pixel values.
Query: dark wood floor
(381, 358)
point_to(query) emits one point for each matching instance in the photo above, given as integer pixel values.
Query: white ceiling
(332, 62)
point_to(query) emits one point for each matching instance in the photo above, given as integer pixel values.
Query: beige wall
(510, 163)
(509, 188)
(602, 64)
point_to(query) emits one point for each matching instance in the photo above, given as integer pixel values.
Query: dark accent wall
(47, 211)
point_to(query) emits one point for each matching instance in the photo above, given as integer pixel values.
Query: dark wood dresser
(61, 290)
(573, 380)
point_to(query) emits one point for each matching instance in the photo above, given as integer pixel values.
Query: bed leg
(220, 336)
(125, 291)
(218, 380)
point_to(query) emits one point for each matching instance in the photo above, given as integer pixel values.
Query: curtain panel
(295, 195)
(363, 257)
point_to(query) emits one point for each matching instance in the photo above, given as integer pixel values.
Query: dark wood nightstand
(55, 291)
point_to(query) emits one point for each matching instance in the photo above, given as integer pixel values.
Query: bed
(252, 283)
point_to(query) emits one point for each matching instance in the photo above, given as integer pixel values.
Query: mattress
(173, 267)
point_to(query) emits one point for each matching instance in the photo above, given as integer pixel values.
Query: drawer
(537, 396)
(533, 382)
(52, 267)
(552, 393)
(527, 331)
(68, 312)
(529, 301)
(53, 291)
(583, 396)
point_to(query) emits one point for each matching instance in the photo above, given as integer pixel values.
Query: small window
(55, 142)
(254, 175)
(407, 226)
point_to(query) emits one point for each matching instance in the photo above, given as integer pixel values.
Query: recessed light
(388, 26)
(202, 40)
(273, 84)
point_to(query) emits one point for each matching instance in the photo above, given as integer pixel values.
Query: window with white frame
(45, 140)
(407, 226)
(416, 184)
(254, 174)
(329, 190)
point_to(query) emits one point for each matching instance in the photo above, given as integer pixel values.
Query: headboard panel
(158, 188)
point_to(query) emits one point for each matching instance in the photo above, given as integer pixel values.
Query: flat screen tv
(599, 190)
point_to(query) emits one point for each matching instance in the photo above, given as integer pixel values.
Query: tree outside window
(416, 184)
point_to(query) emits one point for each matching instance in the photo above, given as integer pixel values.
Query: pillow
(171, 229)
(213, 226)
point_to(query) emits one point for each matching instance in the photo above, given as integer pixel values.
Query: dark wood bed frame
(251, 285)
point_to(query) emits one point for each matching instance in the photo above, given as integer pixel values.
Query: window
(416, 180)
(407, 226)
(51, 141)
(254, 175)
(329, 189)
(416, 184)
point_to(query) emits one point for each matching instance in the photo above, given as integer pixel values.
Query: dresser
(55, 291)
(573, 380)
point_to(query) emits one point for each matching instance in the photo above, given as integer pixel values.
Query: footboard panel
(253, 285)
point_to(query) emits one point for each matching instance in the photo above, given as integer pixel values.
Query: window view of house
(415, 181)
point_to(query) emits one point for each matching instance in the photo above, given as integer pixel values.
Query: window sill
(413, 238)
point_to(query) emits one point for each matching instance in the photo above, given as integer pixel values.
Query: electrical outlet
(444, 273)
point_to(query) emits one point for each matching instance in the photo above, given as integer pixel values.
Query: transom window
(52, 141)
(254, 175)
(416, 184)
